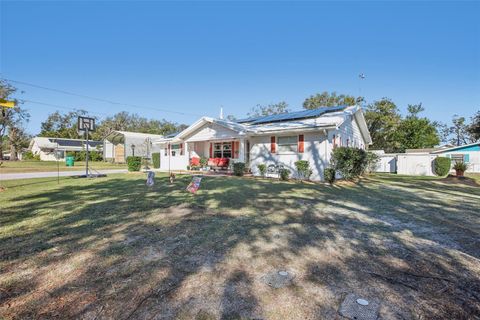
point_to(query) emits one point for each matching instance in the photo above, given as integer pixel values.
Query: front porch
(214, 155)
(208, 144)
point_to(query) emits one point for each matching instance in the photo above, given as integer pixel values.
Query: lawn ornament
(172, 177)
(150, 178)
(194, 185)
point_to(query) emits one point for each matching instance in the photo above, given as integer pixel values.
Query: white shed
(118, 145)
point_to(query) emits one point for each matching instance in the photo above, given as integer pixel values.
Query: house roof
(466, 147)
(73, 144)
(331, 117)
(289, 116)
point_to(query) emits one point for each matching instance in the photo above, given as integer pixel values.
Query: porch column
(241, 151)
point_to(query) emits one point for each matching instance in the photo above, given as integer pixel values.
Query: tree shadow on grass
(121, 250)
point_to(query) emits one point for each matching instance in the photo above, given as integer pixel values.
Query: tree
(11, 120)
(327, 99)
(125, 121)
(460, 132)
(62, 125)
(383, 119)
(415, 132)
(18, 139)
(273, 108)
(474, 127)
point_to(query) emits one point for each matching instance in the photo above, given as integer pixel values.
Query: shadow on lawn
(137, 249)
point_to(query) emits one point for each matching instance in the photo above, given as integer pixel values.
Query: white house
(118, 145)
(272, 140)
(47, 148)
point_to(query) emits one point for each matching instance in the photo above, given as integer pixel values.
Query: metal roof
(292, 115)
(48, 142)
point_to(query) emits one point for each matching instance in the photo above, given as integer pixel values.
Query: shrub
(329, 175)
(460, 166)
(303, 169)
(203, 162)
(29, 156)
(263, 169)
(95, 156)
(156, 160)
(134, 163)
(239, 168)
(350, 162)
(36, 157)
(284, 174)
(82, 155)
(442, 165)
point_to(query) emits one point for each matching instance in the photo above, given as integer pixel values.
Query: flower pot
(459, 173)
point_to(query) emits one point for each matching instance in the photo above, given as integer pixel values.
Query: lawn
(44, 166)
(114, 248)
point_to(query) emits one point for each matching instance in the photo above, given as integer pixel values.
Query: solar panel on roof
(297, 115)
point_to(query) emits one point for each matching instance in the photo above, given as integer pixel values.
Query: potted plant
(460, 167)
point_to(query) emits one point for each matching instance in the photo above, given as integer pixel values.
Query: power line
(61, 107)
(98, 99)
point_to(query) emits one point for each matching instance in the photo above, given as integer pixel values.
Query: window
(175, 149)
(287, 144)
(458, 157)
(222, 150)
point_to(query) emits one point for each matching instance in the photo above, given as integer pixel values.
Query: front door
(119, 153)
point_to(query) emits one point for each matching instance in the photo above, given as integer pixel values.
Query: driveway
(31, 175)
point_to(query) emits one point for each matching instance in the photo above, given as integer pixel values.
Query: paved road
(30, 175)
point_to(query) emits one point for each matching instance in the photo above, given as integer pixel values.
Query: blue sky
(194, 57)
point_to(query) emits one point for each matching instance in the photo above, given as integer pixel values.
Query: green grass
(46, 166)
(114, 248)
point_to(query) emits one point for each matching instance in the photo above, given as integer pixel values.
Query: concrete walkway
(31, 175)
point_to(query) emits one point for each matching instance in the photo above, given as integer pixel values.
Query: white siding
(474, 159)
(416, 164)
(108, 149)
(315, 150)
(349, 131)
(178, 162)
(211, 132)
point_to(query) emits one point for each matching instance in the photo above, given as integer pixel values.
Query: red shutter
(272, 145)
(181, 149)
(233, 149)
(211, 150)
(300, 144)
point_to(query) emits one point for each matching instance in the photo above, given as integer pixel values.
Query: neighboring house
(118, 145)
(469, 153)
(47, 147)
(272, 140)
